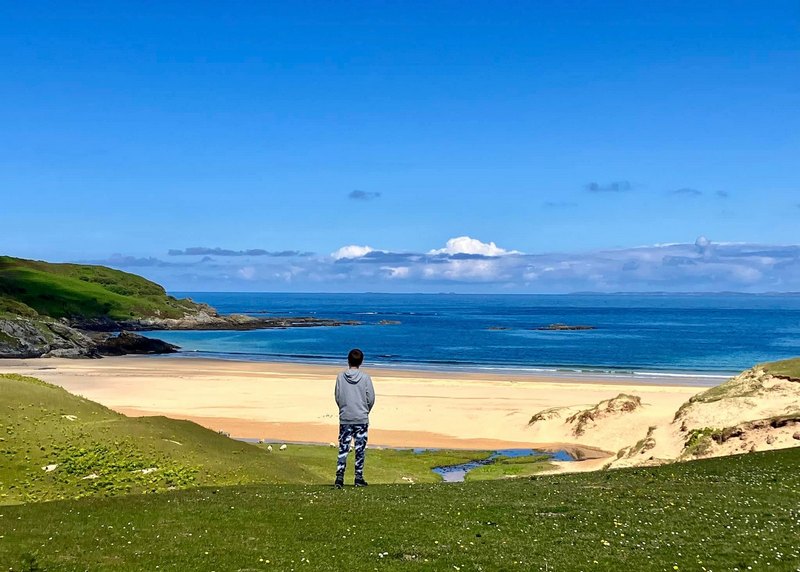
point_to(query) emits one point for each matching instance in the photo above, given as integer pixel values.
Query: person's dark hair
(355, 358)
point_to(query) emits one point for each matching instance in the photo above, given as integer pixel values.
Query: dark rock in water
(388, 323)
(130, 343)
(564, 328)
(498, 328)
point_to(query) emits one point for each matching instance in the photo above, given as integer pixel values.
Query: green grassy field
(42, 425)
(28, 287)
(214, 503)
(729, 513)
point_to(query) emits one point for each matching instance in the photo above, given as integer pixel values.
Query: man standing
(355, 397)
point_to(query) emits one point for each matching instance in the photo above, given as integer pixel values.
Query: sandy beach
(294, 402)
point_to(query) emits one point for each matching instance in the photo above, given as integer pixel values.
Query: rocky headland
(74, 310)
(41, 336)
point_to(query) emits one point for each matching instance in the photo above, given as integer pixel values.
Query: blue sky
(575, 136)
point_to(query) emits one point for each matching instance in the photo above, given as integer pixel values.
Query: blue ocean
(680, 335)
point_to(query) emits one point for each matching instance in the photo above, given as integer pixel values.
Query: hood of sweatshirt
(353, 376)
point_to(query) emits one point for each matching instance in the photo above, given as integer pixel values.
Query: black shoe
(360, 483)
(339, 482)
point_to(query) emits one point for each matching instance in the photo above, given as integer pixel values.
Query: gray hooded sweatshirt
(355, 396)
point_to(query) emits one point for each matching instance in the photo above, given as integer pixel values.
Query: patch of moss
(5, 339)
(16, 308)
(699, 441)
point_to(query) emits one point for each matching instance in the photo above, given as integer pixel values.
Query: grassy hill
(29, 287)
(43, 425)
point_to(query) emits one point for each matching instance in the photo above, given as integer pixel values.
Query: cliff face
(22, 337)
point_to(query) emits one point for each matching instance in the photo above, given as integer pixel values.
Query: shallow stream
(457, 473)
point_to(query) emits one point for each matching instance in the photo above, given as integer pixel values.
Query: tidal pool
(457, 473)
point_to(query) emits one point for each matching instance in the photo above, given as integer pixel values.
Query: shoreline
(625, 376)
(279, 401)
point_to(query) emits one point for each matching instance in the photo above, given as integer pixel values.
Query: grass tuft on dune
(789, 368)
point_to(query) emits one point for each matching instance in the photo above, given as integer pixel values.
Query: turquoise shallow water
(713, 335)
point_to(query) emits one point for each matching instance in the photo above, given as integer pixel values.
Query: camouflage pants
(346, 434)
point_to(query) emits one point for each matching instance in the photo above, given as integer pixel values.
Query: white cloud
(352, 251)
(396, 271)
(471, 265)
(467, 270)
(469, 245)
(246, 272)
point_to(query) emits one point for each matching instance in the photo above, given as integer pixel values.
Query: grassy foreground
(729, 513)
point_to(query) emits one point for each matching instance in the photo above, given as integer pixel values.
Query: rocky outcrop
(204, 320)
(28, 338)
(565, 328)
(129, 343)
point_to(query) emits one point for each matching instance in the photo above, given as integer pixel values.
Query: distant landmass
(73, 310)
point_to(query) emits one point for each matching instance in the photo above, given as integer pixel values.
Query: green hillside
(41, 425)
(78, 290)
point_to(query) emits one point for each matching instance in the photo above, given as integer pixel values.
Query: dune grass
(718, 514)
(786, 368)
(79, 290)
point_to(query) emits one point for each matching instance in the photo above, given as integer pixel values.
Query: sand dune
(754, 411)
